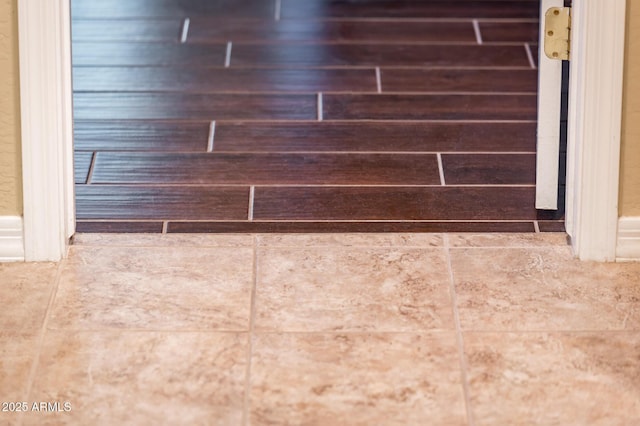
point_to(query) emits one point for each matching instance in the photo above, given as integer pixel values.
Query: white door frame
(595, 123)
(44, 28)
(592, 154)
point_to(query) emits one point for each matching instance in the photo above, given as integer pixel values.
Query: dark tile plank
(324, 54)
(318, 227)
(398, 203)
(554, 215)
(509, 31)
(171, 8)
(255, 169)
(380, 31)
(489, 169)
(450, 80)
(191, 106)
(409, 9)
(551, 215)
(161, 203)
(203, 80)
(118, 227)
(106, 135)
(126, 30)
(81, 165)
(551, 226)
(429, 107)
(140, 54)
(374, 136)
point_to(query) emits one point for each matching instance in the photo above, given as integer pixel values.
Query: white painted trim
(595, 104)
(628, 244)
(548, 134)
(46, 116)
(11, 240)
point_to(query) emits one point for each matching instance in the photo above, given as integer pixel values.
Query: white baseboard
(628, 245)
(11, 239)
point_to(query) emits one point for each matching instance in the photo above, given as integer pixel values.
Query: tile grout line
(368, 121)
(536, 226)
(227, 56)
(440, 169)
(212, 132)
(378, 80)
(424, 19)
(260, 40)
(320, 107)
(527, 48)
(342, 221)
(252, 316)
(252, 192)
(459, 338)
(286, 93)
(474, 331)
(353, 120)
(311, 66)
(328, 152)
(313, 185)
(482, 153)
(277, 9)
(43, 330)
(476, 30)
(185, 30)
(91, 168)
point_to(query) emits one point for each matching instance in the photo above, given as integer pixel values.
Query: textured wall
(10, 156)
(630, 164)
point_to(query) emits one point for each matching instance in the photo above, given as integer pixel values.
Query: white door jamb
(595, 121)
(46, 115)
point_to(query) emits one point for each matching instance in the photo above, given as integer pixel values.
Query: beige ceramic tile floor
(351, 329)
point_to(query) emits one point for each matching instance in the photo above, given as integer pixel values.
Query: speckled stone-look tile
(25, 289)
(543, 289)
(554, 379)
(155, 289)
(508, 240)
(17, 353)
(362, 240)
(142, 378)
(352, 289)
(356, 379)
(164, 240)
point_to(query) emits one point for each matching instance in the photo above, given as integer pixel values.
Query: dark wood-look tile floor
(306, 116)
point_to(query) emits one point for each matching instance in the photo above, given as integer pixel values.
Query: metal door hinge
(557, 33)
